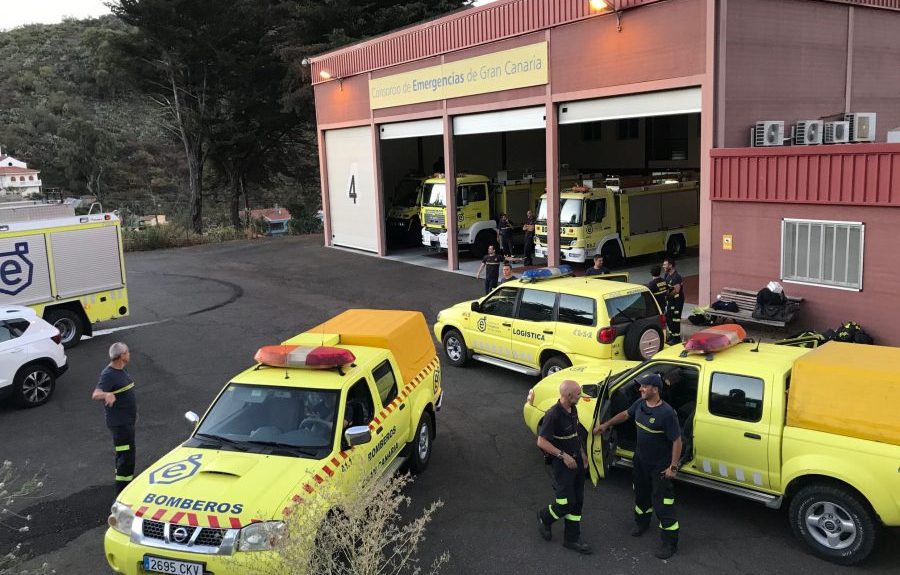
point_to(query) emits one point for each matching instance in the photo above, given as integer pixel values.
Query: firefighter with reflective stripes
(658, 286)
(559, 439)
(656, 457)
(116, 390)
(674, 301)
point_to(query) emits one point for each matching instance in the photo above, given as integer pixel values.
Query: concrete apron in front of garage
(638, 269)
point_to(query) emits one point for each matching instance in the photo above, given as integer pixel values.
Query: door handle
(752, 435)
(548, 331)
(379, 430)
(478, 215)
(402, 406)
(506, 324)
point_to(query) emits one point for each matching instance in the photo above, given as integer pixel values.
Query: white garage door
(665, 103)
(351, 188)
(414, 129)
(505, 121)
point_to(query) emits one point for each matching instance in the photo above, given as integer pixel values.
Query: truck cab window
(595, 211)
(501, 303)
(385, 382)
(360, 407)
(736, 396)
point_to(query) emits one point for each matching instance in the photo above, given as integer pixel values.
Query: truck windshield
(435, 195)
(407, 193)
(569, 212)
(293, 421)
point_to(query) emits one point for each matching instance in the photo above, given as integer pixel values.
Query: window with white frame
(822, 252)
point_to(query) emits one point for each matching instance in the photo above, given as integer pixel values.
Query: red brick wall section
(847, 174)
(756, 260)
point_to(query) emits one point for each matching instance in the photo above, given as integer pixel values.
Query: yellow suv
(547, 321)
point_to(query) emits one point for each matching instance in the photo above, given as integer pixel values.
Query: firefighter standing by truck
(658, 286)
(674, 301)
(116, 390)
(656, 457)
(558, 439)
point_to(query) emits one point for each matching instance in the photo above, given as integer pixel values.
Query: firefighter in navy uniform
(559, 439)
(656, 457)
(658, 286)
(674, 301)
(116, 390)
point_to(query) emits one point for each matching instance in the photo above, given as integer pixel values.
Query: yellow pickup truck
(814, 430)
(350, 400)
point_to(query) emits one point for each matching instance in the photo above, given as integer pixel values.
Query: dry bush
(369, 529)
(16, 488)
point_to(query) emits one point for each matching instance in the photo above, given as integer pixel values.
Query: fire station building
(784, 110)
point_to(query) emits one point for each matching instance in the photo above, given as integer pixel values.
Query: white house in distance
(17, 179)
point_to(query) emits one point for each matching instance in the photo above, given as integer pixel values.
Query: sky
(16, 13)
(20, 12)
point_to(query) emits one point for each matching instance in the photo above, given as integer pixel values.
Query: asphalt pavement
(197, 317)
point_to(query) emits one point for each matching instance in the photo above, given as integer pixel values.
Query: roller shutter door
(665, 103)
(504, 121)
(351, 188)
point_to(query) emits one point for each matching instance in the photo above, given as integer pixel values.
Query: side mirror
(476, 307)
(192, 418)
(590, 390)
(358, 435)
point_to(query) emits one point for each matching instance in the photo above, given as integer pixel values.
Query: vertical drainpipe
(450, 180)
(551, 132)
(708, 115)
(379, 184)
(323, 179)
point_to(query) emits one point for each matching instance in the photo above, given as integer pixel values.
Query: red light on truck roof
(303, 356)
(716, 338)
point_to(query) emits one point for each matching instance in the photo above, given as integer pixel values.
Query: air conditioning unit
(808, 132)
(862, 126)
(836, 133)
(768, 133)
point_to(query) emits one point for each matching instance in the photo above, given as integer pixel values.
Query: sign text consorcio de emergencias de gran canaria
(485, 72)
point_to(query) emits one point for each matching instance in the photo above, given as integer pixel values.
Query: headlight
(261, 536)
(573, 243)
(120, 518)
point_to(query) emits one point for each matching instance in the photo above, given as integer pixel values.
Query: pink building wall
(756, 260)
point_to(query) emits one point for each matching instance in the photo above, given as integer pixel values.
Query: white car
(31, 356)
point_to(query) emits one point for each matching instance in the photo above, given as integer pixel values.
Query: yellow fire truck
(621, 221)
(479, 204)
(70, 270)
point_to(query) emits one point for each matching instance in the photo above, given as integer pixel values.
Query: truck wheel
(643, 339)
(455, 349)
(675, 247)
(834, 522)
(612, 256)
(414, 232)
(554, 364)
(421, 445)
(34, 384)
(482, 241)
(69, 325)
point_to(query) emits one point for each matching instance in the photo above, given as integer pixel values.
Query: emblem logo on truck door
(15, 270)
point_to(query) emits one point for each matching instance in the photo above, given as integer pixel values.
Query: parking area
(200, 314)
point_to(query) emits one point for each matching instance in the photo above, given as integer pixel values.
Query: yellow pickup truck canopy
(405, 333)
(847, 389)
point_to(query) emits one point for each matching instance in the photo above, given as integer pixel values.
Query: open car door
(601, 448)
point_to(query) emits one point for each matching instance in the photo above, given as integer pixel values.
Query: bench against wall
(746, 302)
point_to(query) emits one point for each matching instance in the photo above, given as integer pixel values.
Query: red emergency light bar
(303, 356)
(716, 338)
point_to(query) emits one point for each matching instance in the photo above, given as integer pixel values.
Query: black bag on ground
(722, 305)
